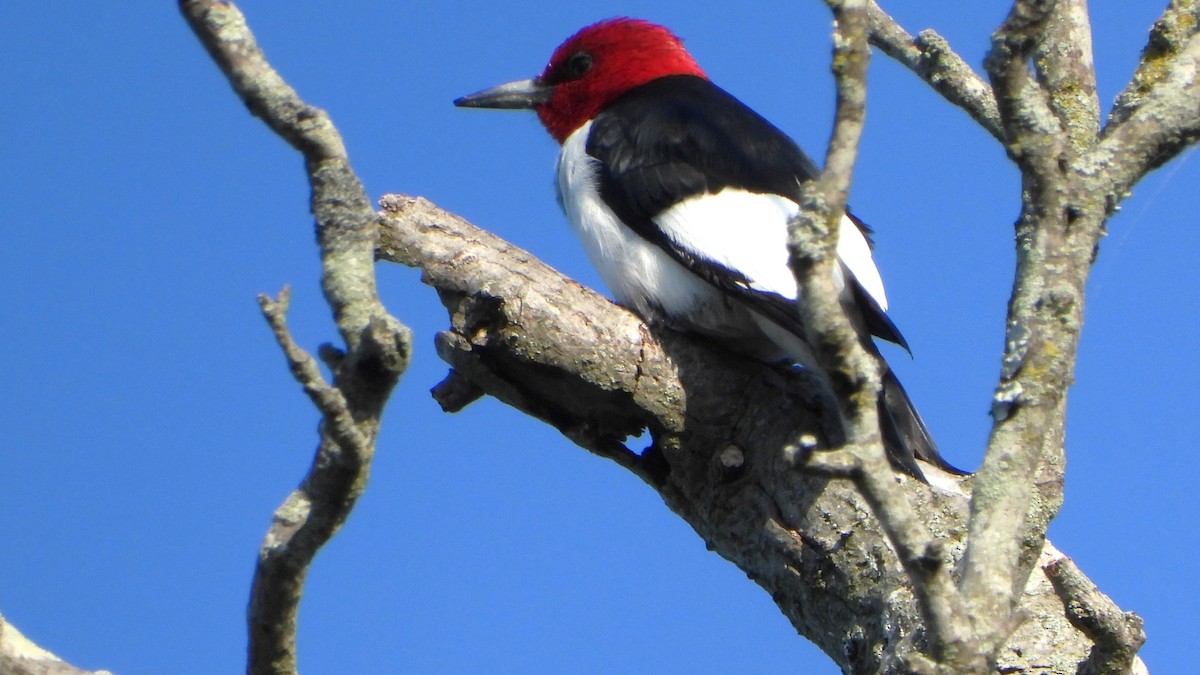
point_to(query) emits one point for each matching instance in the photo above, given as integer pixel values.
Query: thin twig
(930, 57)
(328, 399)
(854, 372)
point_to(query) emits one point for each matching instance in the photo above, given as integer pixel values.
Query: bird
(681, 195)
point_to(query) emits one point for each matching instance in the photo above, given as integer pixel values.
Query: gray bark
(723, 456)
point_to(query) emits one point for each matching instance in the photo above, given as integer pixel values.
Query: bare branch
(930, 57)
(1156, 119)
(852, 370)
(1066, 69)
(329, 400)
(228, 40)
(1001, 493)
(1031, 130)
(1018, 488)
(498, 295)
(853, 373)
(376, 351)
(1071, 183)
(1117, 635)
(1171, 34)
(850, 59)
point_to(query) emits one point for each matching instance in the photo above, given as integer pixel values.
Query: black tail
(904, 434)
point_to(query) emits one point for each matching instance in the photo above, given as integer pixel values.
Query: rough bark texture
(723, 457)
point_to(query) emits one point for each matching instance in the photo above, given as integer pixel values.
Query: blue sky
(150, 427)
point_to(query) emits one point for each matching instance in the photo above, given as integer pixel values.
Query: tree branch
(1072, 179)
(1067, 72)
(377, 346)
(852, 371)
(1155, 118)
(930, 57)
(329, 400)
(1117, 635)
(1043, 323)
(1172, 34)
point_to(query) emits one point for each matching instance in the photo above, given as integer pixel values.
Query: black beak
(520, 95)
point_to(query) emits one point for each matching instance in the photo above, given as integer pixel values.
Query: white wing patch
(747, 232)
(855, 253)
(741, 230)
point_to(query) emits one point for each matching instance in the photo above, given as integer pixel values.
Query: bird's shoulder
(680, 136)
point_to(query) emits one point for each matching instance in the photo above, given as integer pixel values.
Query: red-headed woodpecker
(682, 195)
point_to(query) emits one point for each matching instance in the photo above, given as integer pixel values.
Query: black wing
(682, 136)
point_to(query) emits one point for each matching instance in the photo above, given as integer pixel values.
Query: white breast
(640, 274)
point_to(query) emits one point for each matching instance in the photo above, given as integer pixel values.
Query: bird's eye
(578, 64)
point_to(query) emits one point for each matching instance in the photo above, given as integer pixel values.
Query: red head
(603, 61)
(589, 70)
